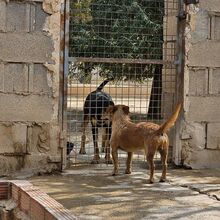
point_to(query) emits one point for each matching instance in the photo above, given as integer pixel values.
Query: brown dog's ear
(115, 108)
(111, 109)
(125, 109)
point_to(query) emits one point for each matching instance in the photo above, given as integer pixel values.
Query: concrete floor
(90, 192)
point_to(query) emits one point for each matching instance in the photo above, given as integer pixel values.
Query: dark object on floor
(69, 147)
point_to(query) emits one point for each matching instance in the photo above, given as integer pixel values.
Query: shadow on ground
(90, 192)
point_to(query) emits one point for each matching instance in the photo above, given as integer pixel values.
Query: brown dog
(131, 137)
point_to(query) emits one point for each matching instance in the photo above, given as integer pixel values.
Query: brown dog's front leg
(129, 163)
(115, 161)
(107, 153)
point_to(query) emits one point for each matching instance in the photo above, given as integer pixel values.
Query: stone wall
(29, 85)
(201, 126)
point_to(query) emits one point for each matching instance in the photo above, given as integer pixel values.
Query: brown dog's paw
(162, 180)
(114, 173)
(150, 181)
(127, 171)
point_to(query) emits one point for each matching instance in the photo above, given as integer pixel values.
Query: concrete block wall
(201, 128)
(29, 85)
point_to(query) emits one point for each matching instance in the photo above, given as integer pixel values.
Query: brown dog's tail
(170, 122)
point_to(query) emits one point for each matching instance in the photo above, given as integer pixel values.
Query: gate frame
(64, 69)
(179, 63)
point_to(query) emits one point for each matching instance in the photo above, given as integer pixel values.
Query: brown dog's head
(111, 110)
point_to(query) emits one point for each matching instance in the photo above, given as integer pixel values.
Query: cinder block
(13, 138)
(200, 26)
(16, 78)
(38, 134)
(203, 109)
(216, 20)
(198, 81)
(195, 133)
(2, 71)
(40, 80)
(214, 81)
(2, 16)
(211, 5)
(40, 18)
(200, 159)
(17, 17)
(213, 136)
(32, 108)
(204, 54)
(25, 47)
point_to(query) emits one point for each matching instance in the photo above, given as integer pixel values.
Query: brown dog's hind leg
(104, 139)
(150, 161)
(129, 163)
(115, 161)
(164, 154)
(107, 145)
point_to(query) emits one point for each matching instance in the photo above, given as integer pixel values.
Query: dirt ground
(90, 192)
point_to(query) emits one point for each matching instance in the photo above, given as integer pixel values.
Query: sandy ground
(90, 192)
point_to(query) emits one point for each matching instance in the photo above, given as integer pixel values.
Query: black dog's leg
(96, 157)
(107, 145)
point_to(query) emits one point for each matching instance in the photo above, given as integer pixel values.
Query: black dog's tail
(101, 86)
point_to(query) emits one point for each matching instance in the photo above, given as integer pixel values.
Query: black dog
(95, 104)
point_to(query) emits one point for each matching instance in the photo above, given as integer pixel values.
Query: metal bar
(179, 80)
(65, 74)
(120, 61)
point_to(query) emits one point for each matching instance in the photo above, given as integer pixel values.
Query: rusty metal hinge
(188, 2)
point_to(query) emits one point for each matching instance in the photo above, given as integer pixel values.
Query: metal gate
(132, 44)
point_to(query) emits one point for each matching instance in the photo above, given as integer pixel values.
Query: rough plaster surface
(210, 5)
(200, 131)
(29, 85)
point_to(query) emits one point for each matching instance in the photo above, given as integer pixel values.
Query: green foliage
(116, 29)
